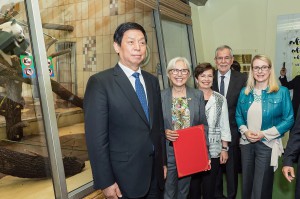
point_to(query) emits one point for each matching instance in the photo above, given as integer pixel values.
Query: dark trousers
(203, 183)
(154, 191)
(297, 191)
(258, 175)
(231, 169)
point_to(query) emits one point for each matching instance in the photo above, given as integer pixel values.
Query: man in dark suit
(291, 154)
(233, 82)
(293, 84)
(125, 134)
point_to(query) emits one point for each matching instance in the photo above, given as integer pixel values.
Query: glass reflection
(174, 31)
(24, 163)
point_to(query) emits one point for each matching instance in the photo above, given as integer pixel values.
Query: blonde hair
(173, 61)
(272, 83)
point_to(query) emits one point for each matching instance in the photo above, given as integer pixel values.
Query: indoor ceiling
(198, 2)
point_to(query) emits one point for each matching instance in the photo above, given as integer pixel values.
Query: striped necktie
(222, 90)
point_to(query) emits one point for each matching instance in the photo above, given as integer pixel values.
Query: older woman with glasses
(182, 107)
(264, 113)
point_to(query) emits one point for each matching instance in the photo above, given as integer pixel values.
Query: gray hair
(222, 48)
(173, 61)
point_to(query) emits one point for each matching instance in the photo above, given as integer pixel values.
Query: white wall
(244, 25)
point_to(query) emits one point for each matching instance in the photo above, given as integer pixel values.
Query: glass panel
(66, 29)
(79, 36)
(173, 31)
(24, 163)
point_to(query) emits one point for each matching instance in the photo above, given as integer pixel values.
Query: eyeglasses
(227, 58)
(176, 71)
(263, 68)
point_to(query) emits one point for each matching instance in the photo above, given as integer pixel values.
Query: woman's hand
(254, 136)
(209, 165)
(171, 135)
(223, 157)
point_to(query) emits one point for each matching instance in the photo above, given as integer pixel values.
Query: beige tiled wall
(96, 20)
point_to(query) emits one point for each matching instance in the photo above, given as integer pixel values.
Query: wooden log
(13, 115)
(56, 54)
(49, 44)
(34, 166)
(65, 94)
(58, 27)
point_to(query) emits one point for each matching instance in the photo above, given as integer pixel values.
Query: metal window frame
(47, 103)
(162, 48)
(46, 97)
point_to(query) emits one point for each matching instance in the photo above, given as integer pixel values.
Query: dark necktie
(222, 91)
(140, 92)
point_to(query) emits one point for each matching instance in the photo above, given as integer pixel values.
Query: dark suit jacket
(292, 151)
(119, 138)
(236, 83)
(295, 85)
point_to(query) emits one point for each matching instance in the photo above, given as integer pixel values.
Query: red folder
(191, 151)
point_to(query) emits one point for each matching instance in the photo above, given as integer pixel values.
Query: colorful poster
(50, 67)
(27, 66)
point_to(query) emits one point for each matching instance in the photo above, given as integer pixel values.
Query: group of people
(131, 124)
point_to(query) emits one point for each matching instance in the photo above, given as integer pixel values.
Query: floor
(281, 187)
(72, 142)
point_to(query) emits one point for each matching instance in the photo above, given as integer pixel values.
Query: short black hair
(122, 28)
(236, 66)
(200, 68)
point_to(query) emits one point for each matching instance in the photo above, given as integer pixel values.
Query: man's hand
(165, 172)
(288, 173)
(283, 72)
(112, 192)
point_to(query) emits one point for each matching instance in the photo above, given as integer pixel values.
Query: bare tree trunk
(14, 131)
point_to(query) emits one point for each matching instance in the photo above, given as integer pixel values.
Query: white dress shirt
(226, 81)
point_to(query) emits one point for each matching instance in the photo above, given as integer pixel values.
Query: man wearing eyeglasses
(229, 83)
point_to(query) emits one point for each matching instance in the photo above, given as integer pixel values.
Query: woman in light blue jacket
(264, 113)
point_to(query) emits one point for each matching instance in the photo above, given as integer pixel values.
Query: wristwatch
(225, 148)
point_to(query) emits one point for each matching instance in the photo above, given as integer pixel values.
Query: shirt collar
(227, 75)
(128, 71)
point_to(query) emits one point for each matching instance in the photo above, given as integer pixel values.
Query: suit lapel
(231, 85)
(168, 106)
(191, 103)
(127, 89)
(215, 83)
